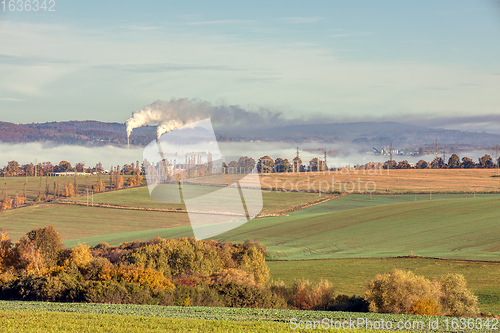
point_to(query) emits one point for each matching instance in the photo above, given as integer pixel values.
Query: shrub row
(189, 272)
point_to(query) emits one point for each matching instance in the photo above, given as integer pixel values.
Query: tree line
(266, 164)
(14, 168)
(454, 162)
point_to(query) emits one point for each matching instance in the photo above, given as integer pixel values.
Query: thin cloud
(468, 84)
(141, 28)
(163, 67)
(300, 20)
(11, 99)
(29, 61)
(220, 22)
(343, 33)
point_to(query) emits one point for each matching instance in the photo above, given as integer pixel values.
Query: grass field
(74, 222)
(29, 321)
(45, 316)
(92, 225)
(273, 201)
(349, 276)
(353, 226)
(333, 234)
(453, 228)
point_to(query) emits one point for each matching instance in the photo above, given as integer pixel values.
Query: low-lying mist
(338, 154)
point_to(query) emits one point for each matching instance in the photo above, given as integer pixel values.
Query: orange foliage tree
(69, 191)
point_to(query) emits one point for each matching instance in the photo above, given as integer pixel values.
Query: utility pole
(36, 166)
(326, 168)
(390, 153)
(496, 160)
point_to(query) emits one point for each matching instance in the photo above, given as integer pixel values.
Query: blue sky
(434, 63)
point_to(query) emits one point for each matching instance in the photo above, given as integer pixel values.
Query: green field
(349, 276)
(451, 228)
(45, 316)
(333, 235)
(354, 226)
(28, 321)
(75, 222)
(273, 201)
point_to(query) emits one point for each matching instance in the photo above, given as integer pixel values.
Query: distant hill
(363, 134)
(368, 134)
(75, 133)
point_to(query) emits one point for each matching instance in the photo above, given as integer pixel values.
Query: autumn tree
(6, 200)
(314, 164)
(80, 256)
(38, 249)
(128, 169)
(64, 166)
(437, 163)
(486, 161)
(282, 165)
(265, 164)
(454, 161)
(253, 262)
(404, 165)
(80, 167)
(99, 186)
(247, 163)
(457, 299)
(28, 169)
(397, 291)
(390, 164)
(5, 251)
(421, 164)
(12, 168)
(233, 167)
(45, 168)
(467, 163)
(120, 183)
(69, 191)
(18, 201)
(134, 180)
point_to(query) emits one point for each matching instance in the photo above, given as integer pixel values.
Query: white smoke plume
(170, 115)
(168, 126)
(178, 112)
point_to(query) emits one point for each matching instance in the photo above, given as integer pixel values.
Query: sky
(431, 63)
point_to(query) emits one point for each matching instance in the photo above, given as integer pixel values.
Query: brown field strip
(387, 181)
